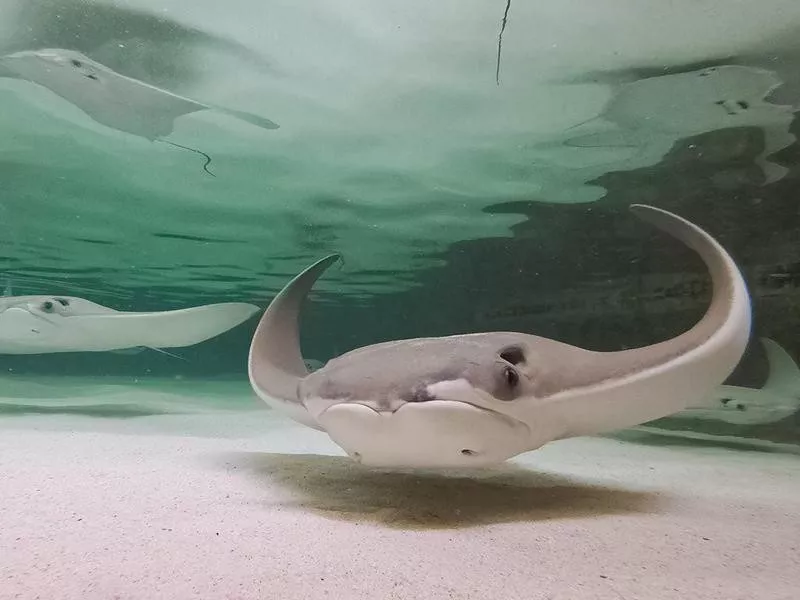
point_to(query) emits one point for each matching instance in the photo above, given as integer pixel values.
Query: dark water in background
(459, 204)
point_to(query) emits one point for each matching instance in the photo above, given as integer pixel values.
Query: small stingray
(50, 324)
(312, 364)
(109, 98)
(776, 400)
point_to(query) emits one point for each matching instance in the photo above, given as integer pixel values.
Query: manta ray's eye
(511, 377)
(47, 306)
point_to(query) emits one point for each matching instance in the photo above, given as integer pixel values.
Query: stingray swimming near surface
(51, 324)
(114, 100)
(649, 115)
(482, 398)
(155, 46)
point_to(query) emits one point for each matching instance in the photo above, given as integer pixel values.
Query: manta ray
(479, 399)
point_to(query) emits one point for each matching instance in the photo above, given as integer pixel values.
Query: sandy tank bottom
(197, 490)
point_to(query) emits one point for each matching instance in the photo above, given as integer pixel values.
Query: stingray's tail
(165, 352)
(207, 157)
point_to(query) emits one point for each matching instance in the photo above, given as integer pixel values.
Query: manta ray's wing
(23, 332)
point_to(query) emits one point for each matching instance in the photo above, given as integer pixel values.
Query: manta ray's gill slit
(500, 41)
(208, 158)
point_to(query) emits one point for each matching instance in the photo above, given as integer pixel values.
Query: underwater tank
(399, 299)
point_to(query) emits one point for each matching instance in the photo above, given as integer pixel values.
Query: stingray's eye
(76, 63)
(511, 377)
(513, 354)
(48, 306)
(62, 301)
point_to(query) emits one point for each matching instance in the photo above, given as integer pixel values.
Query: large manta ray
(479, 399)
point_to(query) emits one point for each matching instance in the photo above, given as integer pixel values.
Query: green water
(466, 192)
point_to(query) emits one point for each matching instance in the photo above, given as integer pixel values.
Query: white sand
(243, 504)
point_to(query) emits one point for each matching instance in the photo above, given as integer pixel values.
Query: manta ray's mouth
(440, 433)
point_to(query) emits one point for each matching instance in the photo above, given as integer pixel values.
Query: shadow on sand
(98, 411)
(689, 439)
(336, 487)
